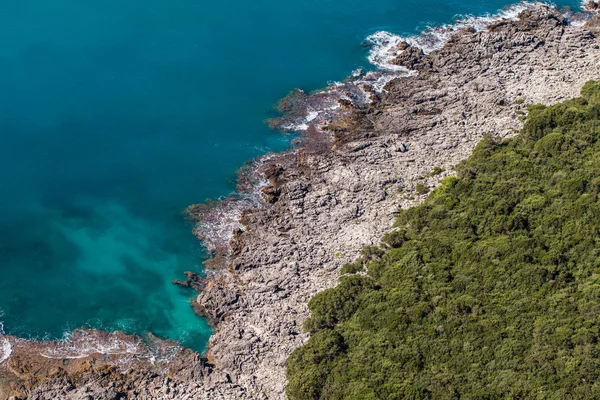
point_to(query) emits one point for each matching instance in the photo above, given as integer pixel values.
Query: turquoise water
(116, 115)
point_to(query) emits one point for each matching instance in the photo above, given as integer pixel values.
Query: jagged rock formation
(324, 203)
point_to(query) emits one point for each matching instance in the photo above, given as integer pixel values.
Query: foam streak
(5, 350)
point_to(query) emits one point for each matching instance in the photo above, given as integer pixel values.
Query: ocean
(117, 115)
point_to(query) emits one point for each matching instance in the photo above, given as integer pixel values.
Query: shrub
(335, 305)
(591, 92)
(421, 189)
(352, 268)
(436, 171)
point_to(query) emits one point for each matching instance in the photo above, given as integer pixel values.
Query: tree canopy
(490, 289)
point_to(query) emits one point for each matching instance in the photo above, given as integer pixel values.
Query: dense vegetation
(488, 290)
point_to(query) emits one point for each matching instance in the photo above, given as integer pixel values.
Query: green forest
(490, 289)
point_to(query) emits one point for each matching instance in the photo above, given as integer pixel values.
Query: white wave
(312, 115)
(5, 350)
(387, 46)
(221, 221)
(357, 73)
(92, 342)
(578, 20)
(590, 8)
(380, 83)
(5, 346)
(296, 127)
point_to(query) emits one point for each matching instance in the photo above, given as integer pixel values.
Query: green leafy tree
(490, 289)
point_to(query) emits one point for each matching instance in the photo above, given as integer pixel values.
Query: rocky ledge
(324, 201)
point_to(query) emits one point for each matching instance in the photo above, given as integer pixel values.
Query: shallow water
(116, 115)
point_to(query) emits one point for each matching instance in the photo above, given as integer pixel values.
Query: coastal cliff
(365, 153)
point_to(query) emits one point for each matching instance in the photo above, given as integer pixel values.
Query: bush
(352, 268)
(308, 367)
(436, 171)
(336, 305)
(591, 92)
(421, 189)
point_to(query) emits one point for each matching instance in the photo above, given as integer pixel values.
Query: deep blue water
(116, 115)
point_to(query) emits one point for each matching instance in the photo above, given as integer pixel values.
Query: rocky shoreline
(302, 214)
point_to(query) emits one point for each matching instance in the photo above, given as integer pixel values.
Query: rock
(193, 281)
(412, 58)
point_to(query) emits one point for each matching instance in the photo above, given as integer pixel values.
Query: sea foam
(5, 346)
(386, 46)
(123, 350)
(5, 350)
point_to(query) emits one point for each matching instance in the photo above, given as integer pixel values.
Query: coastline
(351, 189)
(302, 214)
